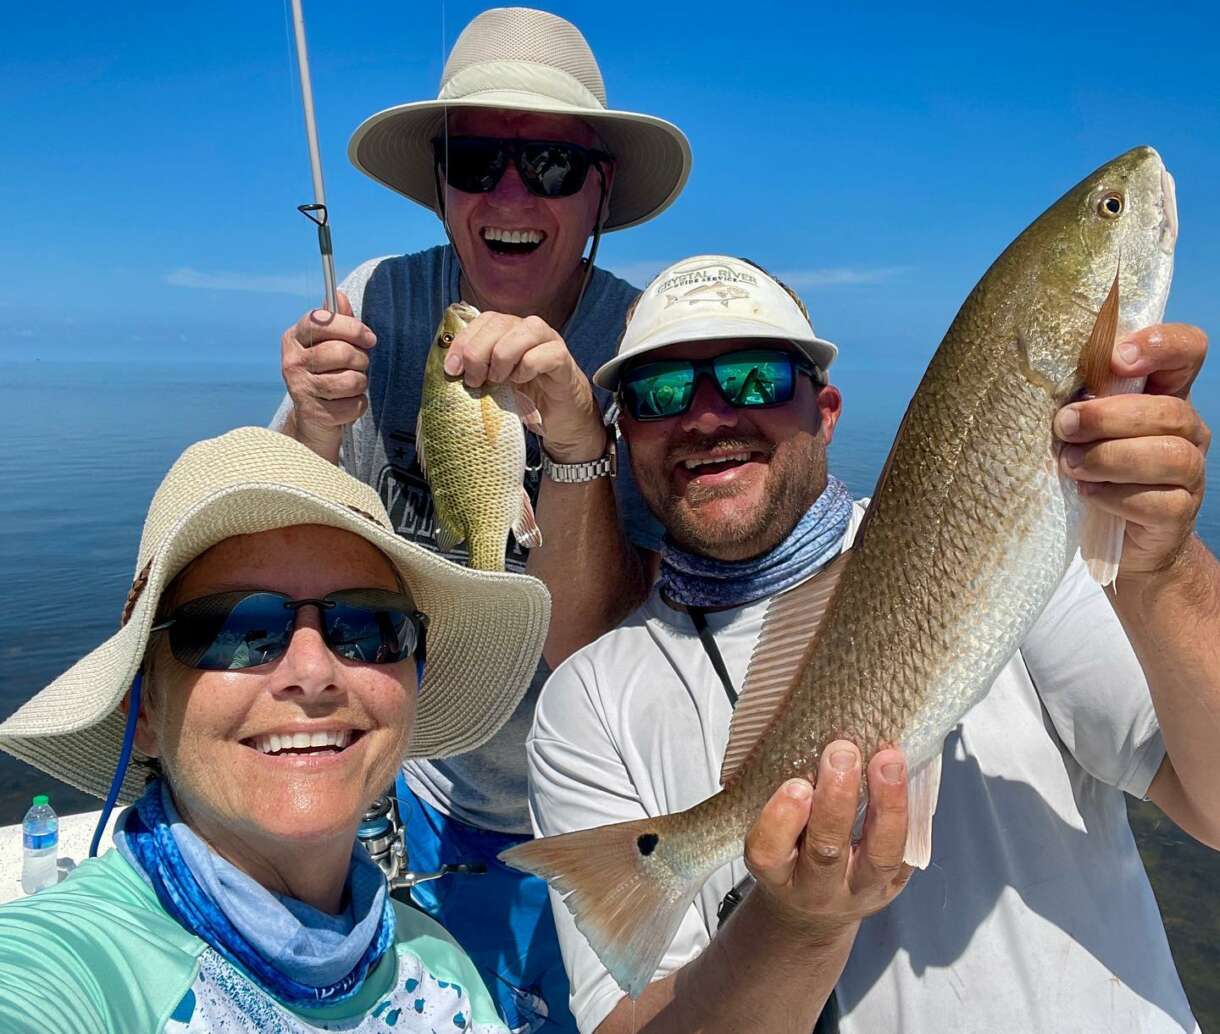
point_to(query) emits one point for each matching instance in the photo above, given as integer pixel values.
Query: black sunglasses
(233, 630)
(748, 379)
(548, 168)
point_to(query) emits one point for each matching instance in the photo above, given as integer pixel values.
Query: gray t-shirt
(401, 299)
(1035, 914)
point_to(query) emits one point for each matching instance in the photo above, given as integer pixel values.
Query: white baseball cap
(708, 297)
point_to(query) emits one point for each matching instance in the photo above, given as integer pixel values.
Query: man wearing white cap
(1035, 913)
(524, 163)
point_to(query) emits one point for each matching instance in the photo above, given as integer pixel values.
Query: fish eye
(1111, 205)
(446, 339)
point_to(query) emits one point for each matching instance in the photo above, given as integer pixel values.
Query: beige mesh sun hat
(526, 60)
(484, 640)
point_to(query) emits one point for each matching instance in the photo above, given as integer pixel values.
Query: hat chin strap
(120, 770)
(587, 263)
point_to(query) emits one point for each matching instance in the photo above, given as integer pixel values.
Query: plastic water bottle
(40, 837)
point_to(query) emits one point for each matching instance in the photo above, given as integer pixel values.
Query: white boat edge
(75, 835)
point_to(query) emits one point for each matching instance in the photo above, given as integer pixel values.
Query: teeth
(733, 457)
(493, 233)
(274, 743)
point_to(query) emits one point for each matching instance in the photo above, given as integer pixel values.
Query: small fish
(471, 446)
(969, 532)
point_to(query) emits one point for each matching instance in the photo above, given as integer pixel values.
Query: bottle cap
(41, 799)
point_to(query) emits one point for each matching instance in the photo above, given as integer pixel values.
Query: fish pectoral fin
(419, 441)
(447, 537)
(1102, 533)
(1094, 364)
(528, 410)
(526, 530)
(922, 792)
(790, 626)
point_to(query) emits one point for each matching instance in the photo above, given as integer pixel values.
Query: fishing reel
(381, 835)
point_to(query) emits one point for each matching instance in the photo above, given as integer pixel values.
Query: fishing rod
(316, 212)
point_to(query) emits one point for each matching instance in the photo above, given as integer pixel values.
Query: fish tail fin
(625, 887)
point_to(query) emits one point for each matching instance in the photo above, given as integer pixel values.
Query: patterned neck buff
(298, 954)
(691, 580)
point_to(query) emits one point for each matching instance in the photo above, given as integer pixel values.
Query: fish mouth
(504, 242)
(1169, 210)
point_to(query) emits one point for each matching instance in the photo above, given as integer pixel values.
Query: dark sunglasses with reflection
(752, 378)
(548, 168)
(229, 631)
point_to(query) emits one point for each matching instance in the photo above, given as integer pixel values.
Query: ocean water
(86, 445)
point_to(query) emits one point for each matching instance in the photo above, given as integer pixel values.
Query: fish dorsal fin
(1094, 367)
(789, 627)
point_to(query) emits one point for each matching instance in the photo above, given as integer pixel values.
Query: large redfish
(970, 530)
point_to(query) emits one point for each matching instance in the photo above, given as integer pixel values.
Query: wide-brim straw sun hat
(519, 59)
(709, 297)
(485, 635)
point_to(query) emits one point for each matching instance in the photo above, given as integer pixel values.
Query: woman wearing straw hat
(525, 163)
(261, 691)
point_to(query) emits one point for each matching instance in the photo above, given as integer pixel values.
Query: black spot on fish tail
(647, 843)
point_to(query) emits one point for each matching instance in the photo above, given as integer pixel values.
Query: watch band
(605, 466)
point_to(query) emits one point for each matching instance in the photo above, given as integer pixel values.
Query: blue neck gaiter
(297, 953)
(691, 580)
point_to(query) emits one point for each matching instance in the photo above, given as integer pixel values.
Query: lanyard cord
(698, 618)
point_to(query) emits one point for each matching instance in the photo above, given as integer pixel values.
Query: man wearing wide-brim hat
(526, 164)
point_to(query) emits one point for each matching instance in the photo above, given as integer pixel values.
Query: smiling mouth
(304, 744)
(512, 242)
(697, 466)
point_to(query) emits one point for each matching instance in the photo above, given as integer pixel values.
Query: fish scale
(967, 536)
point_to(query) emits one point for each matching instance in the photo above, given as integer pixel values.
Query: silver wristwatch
(605, 466)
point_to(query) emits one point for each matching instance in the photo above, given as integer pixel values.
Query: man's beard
(795, 477)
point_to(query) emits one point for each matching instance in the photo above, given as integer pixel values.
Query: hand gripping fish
(471, 446)
(969, 531)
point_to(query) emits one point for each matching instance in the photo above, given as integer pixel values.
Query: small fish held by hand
(471, 446)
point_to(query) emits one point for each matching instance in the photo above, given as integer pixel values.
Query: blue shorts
(502, 919)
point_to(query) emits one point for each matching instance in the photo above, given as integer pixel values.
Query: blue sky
(153, 155)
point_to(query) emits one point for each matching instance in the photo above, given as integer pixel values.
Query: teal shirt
(97, 954)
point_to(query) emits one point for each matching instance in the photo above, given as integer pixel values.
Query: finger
(470, 352)
(1147, 506)
(1160, 460)
(771, 844)
(522, 339)
(1131, 416)
(878, 859)
(836, 798)
(334, 355)
(1168, 354)
(319, 325)
(344, 303)
(344, 384)
(542, 361)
